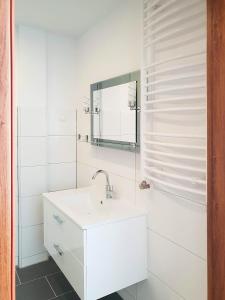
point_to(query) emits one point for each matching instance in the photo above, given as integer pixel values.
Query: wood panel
(216, 149)
(6, 221)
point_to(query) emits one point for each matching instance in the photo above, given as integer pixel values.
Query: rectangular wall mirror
(115, 105)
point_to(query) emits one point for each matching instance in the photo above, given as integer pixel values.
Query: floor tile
(37, 270)
(59, 283)
(28, 273)
(48, 267)
(68, 296)
(35, 290)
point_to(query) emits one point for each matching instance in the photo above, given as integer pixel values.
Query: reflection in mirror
(114, 112)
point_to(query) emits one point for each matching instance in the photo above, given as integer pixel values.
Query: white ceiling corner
(69, 17)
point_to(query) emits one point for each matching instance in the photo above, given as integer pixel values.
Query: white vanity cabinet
(99, 259)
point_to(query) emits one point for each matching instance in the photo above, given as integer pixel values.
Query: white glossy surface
(70, 239)
(87, 211)
(100, 248)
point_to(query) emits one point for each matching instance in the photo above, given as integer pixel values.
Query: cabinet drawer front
(69, 265)
(60, 229)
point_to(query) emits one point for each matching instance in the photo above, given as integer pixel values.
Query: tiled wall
(176, 227)
(46, 130)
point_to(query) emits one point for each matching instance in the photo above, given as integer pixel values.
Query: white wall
(46, 145)
(177, 228)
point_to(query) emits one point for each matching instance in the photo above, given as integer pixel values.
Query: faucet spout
(108, 187)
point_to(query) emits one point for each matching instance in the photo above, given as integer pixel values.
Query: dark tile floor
(45, 281)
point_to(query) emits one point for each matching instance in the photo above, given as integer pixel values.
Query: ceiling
(70, 17)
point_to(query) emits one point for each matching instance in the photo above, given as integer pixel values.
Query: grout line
(28, 226)
(164, 283)
(61, 295)
(38, 278)
(31, 136)
(32, 166)
(61, 135)
(47, 164)
(178, 245)
(61, 162)
(50, 286)
(54, 273)
(30, 196)
(18, 277)
(112, 173)
(76, 151)
(32, 280)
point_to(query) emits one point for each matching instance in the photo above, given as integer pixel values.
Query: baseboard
(35, 259)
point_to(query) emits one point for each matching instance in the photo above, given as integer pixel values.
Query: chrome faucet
(108, 187)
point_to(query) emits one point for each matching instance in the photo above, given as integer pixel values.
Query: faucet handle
(109, 191)
(109, 188)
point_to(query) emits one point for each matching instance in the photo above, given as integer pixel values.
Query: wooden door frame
(7, 277)
(216, 148)
(215, 159)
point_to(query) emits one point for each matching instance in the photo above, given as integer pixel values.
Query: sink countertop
(87, 212)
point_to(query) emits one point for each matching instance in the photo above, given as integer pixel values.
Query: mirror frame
(122, 145)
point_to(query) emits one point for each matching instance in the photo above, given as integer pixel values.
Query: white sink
(99, 244)
(86, 211)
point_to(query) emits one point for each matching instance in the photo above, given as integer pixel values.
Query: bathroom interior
(111, 150)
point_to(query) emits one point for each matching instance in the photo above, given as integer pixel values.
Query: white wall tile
(84, 174)
(179, 269)
(45, 88)
(84, 151)
(32, 240)
(32, 67)
(35, 259)
(61, 149)
(154, 289)
(62, 121)
(16, 214)
(118, 162)
(33, 180)
(31, 210)
(32, 151)
(123, 188)
(61, 176)
(16, 241)
(32, 122)
(61, 71)
(179, 220)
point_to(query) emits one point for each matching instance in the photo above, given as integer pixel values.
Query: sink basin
(86, 211)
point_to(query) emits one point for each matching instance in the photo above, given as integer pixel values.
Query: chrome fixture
(58, 219)
(82, 138)
(86, 105)
(58, 249)
(144, 185)
(108, 187)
